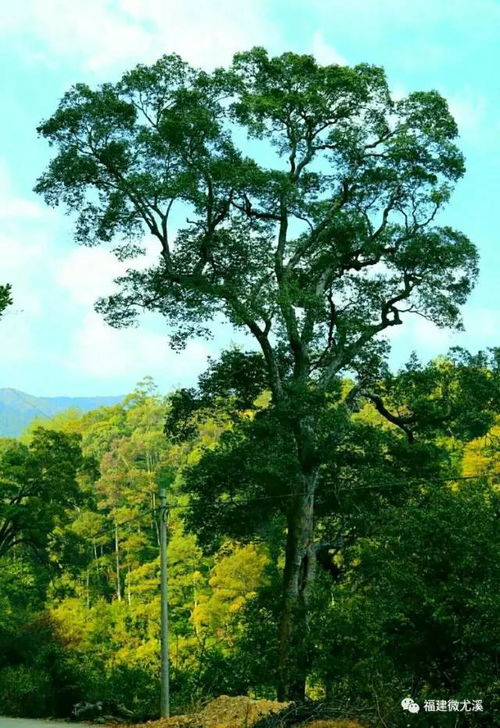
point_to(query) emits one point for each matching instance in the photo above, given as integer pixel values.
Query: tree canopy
(351, 183)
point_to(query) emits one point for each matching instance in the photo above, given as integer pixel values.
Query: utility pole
(165, 667)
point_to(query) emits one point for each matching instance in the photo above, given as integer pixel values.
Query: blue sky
(51, 341)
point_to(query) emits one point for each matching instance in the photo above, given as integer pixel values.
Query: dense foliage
(405, 598)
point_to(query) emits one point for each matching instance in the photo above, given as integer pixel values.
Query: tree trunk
(129, 593)
(117, 566)
(300, 561)
(87, 588)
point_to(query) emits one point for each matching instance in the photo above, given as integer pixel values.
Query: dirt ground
(239, 712)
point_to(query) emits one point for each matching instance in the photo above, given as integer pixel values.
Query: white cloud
(103, 33)
(16, 341)
(429, 338)
(325, 53)
(398, 92)
(101, 352)
(24, 245)
(87, 273)
(482, 326)
(18, 266)
(366, 16)
(420, 334)
(14, 207)
(52, 328)
(468, 109)
(25, 240)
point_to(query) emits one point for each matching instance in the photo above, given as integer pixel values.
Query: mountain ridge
(18, 408)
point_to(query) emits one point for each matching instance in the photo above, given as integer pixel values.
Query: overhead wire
(290, 494)
(148, 513)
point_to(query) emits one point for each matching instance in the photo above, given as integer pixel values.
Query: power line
(149, 513)
(291, 494)
(421, 481)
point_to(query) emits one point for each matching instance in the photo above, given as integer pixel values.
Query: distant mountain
(17, 409)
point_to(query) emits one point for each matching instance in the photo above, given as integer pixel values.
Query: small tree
(5, 297)
(314, 252)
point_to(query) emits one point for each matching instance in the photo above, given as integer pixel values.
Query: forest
(332, 522)
(405, 599)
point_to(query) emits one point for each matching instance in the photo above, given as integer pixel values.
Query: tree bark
(117, 565)
(300, 562)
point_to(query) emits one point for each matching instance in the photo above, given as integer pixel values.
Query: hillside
(17, 408)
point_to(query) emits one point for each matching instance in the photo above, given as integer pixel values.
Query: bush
(25, 691)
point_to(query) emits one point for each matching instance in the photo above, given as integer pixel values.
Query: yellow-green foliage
(235, 578)
(482, 455)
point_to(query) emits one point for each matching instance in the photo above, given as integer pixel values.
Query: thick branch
(389, 316)
(401, 422)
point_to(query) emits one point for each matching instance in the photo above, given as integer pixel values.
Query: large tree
(318, 244)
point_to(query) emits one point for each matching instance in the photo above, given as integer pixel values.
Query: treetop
(319, 249)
